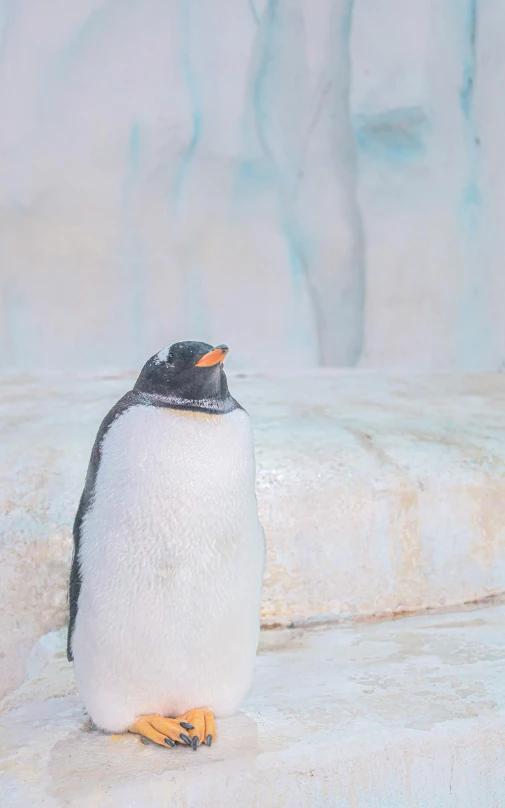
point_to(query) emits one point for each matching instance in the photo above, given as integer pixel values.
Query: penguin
(169, 555)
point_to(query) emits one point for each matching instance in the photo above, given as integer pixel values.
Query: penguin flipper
(74, 586)
(131, 399)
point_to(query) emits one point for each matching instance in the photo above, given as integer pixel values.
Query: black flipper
(131, 399)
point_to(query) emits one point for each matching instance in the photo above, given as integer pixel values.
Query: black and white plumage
(168, 549)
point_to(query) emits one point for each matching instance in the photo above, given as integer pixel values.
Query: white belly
(171, 556)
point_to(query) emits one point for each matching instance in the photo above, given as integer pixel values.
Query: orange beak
(212, 358)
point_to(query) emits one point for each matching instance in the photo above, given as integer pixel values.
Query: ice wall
(311, 181)
(430, 128)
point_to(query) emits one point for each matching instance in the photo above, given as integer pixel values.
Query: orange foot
(156, 728)
(200, 725)
(197, 727)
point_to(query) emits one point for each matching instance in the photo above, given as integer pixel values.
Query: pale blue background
(311, 181)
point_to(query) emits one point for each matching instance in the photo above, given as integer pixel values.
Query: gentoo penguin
(169, 554)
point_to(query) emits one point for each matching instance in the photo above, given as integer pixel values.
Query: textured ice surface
(377, 492)
(409, 713)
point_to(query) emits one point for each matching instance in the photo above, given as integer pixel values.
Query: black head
(189, 375)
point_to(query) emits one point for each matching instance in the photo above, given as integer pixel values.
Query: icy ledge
(389, 715)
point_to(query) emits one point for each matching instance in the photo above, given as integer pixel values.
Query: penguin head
(186, 372)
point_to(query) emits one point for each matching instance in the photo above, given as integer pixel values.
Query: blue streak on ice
(78, 38)
(474, 335)
(290, 227)
(467, 88)
(396, 136)
(254, 11)
(192, 85)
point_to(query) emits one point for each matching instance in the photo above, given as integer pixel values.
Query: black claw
(185, 725)
(145, 741)
(195, 743)
(185, 738)
(209, 740)
(169, 742)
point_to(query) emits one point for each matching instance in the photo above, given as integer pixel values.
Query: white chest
(175, 470)
(172, 556)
